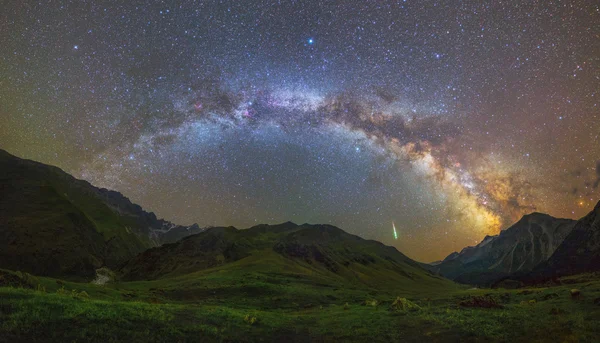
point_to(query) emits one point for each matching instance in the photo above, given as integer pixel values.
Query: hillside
(321, 253)
(53, 224)
(518, 249)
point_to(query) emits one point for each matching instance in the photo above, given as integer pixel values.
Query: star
(223, 113)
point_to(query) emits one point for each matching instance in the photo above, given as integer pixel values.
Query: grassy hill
(54, 224)
(280, 257)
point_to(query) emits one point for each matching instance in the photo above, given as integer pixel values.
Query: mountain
(53, 224)
(322, 251)
(578, 253)
(518, 249)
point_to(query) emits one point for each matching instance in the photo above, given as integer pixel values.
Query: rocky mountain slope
(518, 249)
(53, 224)
(578, 253)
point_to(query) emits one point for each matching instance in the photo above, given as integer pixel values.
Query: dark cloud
(385, 94)
(584, 184)
(349, 108)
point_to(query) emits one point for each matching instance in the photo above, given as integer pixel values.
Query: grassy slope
(267, 279)
(279, 257)
(54, 220)
(139, 311)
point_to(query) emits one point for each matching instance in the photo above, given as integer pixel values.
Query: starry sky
(451, 119)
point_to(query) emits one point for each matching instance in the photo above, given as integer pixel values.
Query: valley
(254, 305)
(83, 264)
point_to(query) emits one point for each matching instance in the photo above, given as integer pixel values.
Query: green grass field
(267, 307)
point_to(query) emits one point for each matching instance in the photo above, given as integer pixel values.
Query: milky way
(450, 119)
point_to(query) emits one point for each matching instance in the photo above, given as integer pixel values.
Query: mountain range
(578, 253)
(518, 249)
(52, 224)
(536, 249)
(315, 252)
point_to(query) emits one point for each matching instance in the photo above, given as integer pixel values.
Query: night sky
(451, 119)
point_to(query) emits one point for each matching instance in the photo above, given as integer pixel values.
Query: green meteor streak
(395, 233)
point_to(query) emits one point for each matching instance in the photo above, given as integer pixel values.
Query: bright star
(310, 41)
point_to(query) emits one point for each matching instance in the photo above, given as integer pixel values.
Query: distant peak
(284, 226)
(536, 214)
(320, 226)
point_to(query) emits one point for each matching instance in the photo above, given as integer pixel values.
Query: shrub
(82, 295)
(251, 319)
(404, 305)
(372, 303)
(73, 293)
(62, 291)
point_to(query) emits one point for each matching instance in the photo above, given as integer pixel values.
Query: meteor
(395, 233)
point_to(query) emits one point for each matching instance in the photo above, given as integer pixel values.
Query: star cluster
(450, 118)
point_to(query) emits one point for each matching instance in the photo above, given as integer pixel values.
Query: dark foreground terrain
(258, 304)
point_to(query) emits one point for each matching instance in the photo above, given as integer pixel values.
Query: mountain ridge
(578, 253)
(519, 248)
(318, 250)
(54, 224)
